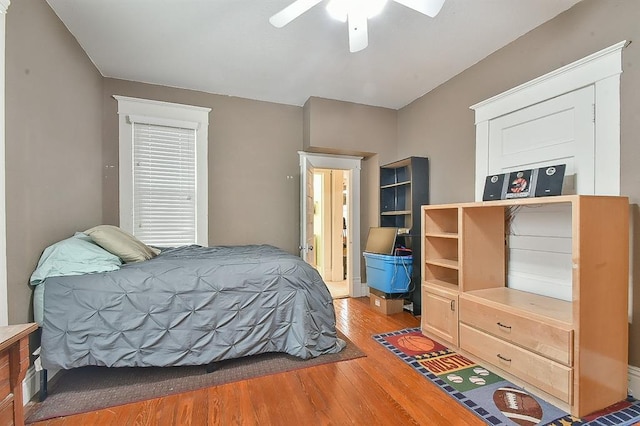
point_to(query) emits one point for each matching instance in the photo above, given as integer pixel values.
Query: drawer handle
(453, 305)
(503, 358)
(504, 326)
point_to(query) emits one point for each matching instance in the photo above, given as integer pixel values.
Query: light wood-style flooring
(338, 289)
(378, 389)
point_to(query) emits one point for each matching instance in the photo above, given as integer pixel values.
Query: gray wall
(346, 128)
(440, 123)
(53, 143)
(252, 155)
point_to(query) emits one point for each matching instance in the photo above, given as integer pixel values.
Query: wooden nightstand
(14, 361)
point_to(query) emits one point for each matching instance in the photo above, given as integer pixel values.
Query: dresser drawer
(540, 337)
(5, 377)
(547, 375)
(6, 411)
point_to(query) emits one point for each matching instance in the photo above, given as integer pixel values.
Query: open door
(307, 212)
(330, 212)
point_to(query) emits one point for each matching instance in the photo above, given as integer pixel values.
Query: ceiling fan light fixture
(357, 12)
(340, 9)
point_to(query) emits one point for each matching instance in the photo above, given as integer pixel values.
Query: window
(163, 171)
(164, 184)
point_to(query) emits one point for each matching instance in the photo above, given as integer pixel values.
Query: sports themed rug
(487, 395)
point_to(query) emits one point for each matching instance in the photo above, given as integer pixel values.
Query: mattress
(190, 305)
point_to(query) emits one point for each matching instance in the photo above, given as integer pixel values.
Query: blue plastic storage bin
(390, 274)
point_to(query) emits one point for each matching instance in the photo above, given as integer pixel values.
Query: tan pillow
(120, 243)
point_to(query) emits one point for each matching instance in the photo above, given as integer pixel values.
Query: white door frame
(353, 165)
(4, 297)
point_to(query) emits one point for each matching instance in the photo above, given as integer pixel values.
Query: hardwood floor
(378, 389)
(338, 289)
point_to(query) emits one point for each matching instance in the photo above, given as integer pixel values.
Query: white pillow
(121, 243)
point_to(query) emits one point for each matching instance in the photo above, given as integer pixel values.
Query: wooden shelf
(453, 235)
(393, 185)
(441, 284)
(395, 213)
(445, 263)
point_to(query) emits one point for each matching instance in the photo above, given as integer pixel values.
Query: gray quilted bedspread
(189, 306)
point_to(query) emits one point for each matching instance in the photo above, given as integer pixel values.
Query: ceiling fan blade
(358, 37)
(291, 12)
(428, 7)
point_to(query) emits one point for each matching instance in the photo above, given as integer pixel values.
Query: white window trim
(602, 70)
(169, 114)
(4, 297)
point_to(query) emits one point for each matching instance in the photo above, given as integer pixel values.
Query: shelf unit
(441, 273)
(572, 353)
(404, 188)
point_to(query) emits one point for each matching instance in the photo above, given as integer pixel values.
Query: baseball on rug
(487, 395)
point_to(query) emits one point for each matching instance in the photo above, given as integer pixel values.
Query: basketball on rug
(489, 396)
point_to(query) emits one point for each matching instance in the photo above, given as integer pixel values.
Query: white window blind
(163, 171)
(164, 184)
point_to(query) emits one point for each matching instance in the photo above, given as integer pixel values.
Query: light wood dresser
(574, 353)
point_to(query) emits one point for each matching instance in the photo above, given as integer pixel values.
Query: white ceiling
(228, 47)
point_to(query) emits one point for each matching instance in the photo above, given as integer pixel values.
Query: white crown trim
(583, 72)
(4, 5)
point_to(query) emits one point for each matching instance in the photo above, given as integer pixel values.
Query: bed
(188, 305)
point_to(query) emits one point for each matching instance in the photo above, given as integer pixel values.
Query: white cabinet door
(556, 131)
(560, 130)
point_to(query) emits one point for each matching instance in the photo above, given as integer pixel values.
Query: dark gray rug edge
(88, 389)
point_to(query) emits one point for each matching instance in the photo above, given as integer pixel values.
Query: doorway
(350, 166)
(331, 210)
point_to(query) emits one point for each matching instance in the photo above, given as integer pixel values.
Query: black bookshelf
(404, 187)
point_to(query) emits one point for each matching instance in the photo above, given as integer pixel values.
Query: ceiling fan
(357, 12)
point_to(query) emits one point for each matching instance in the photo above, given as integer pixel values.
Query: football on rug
(489, 396)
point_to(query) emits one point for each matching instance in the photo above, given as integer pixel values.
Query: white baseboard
(363, 289)
(357, 288)
(30, 385)
(634, 381)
